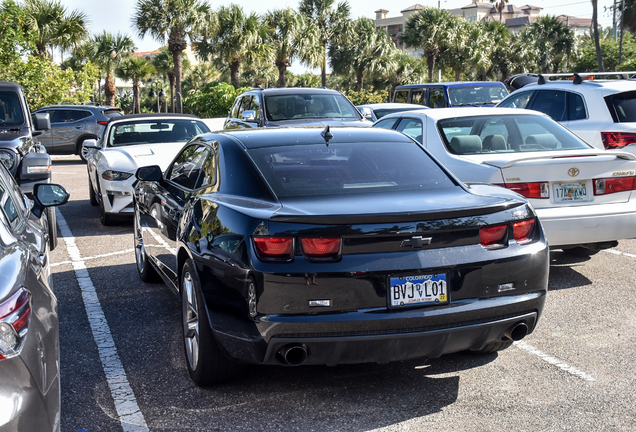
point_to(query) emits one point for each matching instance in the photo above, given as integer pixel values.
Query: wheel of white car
(104, 217)
(206, 364)
(92, 196)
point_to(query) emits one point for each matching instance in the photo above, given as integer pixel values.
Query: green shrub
(213, 100)
(367, 97)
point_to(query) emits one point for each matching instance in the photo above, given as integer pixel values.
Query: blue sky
(115, 15)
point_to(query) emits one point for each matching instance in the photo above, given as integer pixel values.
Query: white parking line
(130, 416)
(127, 251)
(554, 361)
(617, 252)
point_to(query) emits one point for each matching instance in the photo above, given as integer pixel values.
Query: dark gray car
(72, 124)
(293, 107)
(29, 347)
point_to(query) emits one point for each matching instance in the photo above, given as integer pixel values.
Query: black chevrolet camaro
(350, 245)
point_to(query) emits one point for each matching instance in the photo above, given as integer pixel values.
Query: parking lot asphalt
(123, 366)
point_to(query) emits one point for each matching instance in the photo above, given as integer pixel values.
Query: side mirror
(48, 195)
(249, 116)
(41, 121)
(149, 173)
(90, 144)
(366, 113)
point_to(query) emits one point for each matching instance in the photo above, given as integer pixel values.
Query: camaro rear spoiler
(401, 217)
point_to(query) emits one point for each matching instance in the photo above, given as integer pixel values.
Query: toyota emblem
(573, 172)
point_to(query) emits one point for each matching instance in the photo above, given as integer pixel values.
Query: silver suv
(602, 112)
(72, 124)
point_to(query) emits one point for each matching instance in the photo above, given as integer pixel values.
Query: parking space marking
(554, 361)
(130, 416)
(95, 257)
(617, 252)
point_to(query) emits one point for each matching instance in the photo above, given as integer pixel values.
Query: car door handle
(78, 126)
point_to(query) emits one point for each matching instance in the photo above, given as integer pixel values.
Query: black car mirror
(149, 173)
(41, 121)
(48, 195)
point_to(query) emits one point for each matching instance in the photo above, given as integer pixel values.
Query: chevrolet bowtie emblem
(573, 172)
(416, 242)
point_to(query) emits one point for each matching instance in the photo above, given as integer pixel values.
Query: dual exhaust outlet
(295, 354)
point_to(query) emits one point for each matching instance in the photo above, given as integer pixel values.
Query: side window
(436, 98)
(235, 108)
(189, 166)
(550, 102)
(576, 107)
(246, 104)
(256, 106)
(387, 123)
(411, 127)
(67, 116)
(519, 101)
(208, 173)
(401, 96)
(419, 97)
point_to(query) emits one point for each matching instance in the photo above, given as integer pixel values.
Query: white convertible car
(584, 196)
(130, 142)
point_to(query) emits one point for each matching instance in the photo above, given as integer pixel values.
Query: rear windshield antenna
(327, 135)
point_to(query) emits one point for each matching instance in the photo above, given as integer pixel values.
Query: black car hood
(445, 203)
(9, 135)
(320, 122)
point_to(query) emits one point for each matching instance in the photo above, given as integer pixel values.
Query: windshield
(477, 94)
(348, 168)
(154, 131)
(10, 109)
(506, 134)
(307, 105)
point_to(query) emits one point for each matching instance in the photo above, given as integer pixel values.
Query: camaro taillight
(612, 185)
(274, 248)
(539, 190)
(523, 231)
(15, 313)
(617, 140)
(319, 248)
(493, 237)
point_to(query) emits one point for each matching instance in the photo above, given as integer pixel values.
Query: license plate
(572, 192)
(418, 290)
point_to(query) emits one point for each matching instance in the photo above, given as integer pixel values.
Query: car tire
(145, 269)
(206, 363)
(52, 226)
(581, 252)
(92, 197)
(494, 347)
(81, 151)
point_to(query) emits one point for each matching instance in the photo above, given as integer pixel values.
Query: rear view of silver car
(29, 347)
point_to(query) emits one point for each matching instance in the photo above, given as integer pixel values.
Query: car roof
(274, 137)
(153, 116)
(392, 105)
(444, 113)
(79, 106)
(449, 84)
(295, 90)
(614, 85)
(8, 85)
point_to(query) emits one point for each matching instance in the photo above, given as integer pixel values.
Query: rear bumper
(378, 335)
(588, 224)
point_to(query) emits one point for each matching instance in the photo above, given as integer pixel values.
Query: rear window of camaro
(348, 168)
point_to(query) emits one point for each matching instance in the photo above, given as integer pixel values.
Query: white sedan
(130, 142)
(583, 195)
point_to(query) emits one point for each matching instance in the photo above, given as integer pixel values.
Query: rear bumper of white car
(579, 225)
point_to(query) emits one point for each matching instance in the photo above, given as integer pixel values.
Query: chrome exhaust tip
(517, 331)
(294, 354)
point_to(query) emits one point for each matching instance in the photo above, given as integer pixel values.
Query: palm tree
(597, 44)
(55, 26)
(457, 52)
(553, 41)
(502, 56)
(173, 21)
(367, 50)
(427, 29)
(108, 50)
(135, 69)
(163, 62)
(328, 23)
(286, 28)
(500, 5)
(232, 37)
(406, 69)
